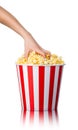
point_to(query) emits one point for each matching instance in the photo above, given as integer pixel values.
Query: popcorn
(36, 59)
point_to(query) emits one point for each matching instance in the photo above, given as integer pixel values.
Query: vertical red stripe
(24, 115)
(50, 115)
(18, 76)
(41, 116)
(19, 85)
(30, 82)
(41, 88)
(58, 86)
(56, 115)
(22, 86)
(52, 74)
(31, 116)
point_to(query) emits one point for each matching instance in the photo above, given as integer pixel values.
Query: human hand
(30, 44)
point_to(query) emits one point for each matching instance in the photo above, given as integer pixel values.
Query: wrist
(27, 36)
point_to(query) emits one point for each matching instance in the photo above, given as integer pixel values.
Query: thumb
(26, 54)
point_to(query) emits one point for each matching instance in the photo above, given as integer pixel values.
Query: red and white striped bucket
(39, 86)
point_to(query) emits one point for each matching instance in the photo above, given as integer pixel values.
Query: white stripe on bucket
(20, 90)
(36, 87)
(46, 87)
(46, 116)
(55, 86)
(36, 116)
(26, 87)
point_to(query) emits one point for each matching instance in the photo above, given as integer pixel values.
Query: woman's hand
(30, 44)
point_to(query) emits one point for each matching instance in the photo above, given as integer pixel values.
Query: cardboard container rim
(39, 65)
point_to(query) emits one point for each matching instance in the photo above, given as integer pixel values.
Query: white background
(54, 24)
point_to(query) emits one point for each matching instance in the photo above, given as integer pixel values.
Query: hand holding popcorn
(31, 45)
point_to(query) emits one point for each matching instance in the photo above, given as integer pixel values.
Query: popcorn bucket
(39, 86)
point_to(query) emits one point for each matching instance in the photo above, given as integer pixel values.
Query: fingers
(26, 54)
(37, 49)
(40, 52)
(46, 51)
